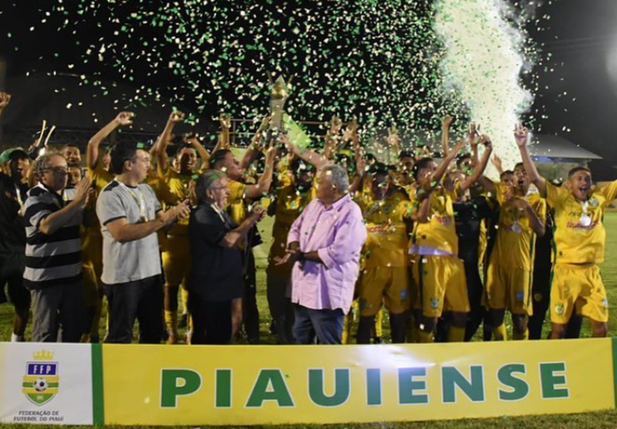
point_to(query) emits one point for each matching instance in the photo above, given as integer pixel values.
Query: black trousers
(140, 300)
(211, 321)
(250, 312)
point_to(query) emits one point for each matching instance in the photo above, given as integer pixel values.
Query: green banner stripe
(98, 404)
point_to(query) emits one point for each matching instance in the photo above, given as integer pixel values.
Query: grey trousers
(58, 313)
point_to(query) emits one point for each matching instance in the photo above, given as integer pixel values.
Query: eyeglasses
(58, 170)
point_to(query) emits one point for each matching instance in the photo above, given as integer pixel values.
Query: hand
(456, 149)
(335, 125)
(446, 122)
(225, 121)
(125, 118)
(257, 213)
(264, 123)
(179, 212)
(496, 161)
(393, 137)
(351, 130)
(83, 191)
(290, 257)
(486, 141)
(5, 99)
(270, 155)
(360, 166)
(521, 135)
(176, 117)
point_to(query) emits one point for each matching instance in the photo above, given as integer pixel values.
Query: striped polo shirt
(52, 259)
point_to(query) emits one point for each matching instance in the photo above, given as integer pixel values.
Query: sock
(523, 336)
(171, 321)
(456, 334)
(379, 324)
(499, 333)
(425, 337)
(184, 295)
(17, 338)
(346, 328)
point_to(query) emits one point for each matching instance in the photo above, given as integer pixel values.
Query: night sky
(362, 60)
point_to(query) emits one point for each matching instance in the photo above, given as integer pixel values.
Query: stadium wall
(250, 385)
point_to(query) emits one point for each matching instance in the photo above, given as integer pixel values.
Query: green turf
(606, 419)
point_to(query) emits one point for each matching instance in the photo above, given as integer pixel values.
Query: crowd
(437, 246)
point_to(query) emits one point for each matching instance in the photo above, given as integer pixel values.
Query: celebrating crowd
(436, 246)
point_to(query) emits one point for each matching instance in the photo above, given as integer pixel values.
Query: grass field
(592, 420)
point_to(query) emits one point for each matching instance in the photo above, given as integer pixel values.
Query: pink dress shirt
(337, 234)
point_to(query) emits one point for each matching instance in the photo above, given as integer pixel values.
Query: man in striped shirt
(53, 252)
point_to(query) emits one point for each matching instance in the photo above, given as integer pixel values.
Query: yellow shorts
(383, 284)
(509, 288)
(440, 284)
(92, 267)
(581, 287)
(177, 260)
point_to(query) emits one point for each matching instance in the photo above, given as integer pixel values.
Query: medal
(585, 220)
(516, 227)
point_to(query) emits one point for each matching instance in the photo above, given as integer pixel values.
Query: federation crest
(41, 382)
(559, 309)
(593, 202)
(434, 303)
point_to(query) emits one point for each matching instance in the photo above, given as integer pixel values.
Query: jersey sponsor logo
(444, 220)
(42, 379)
(579, 225)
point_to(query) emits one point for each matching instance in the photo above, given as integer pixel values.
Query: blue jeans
(324, 325)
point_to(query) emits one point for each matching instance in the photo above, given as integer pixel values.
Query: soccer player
(176, 252)
(522, 216)
(384, 277)
(438, 273)
(224, 160)
(294, 191)
(580, 239)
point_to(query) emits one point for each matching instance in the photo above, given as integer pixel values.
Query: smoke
(483, 62)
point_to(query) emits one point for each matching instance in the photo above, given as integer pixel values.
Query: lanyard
(218, 212)
(140, 201)
(18, 193)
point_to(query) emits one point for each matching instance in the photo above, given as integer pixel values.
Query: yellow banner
(244, 385)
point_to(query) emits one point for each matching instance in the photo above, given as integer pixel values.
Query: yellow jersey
(237, 203)
(100, 178)
(387, 241)
(439, 233)
(579, 234)
(178, 187)
(289, 205)
(516, 241)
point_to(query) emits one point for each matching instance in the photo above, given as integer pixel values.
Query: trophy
(278, 97)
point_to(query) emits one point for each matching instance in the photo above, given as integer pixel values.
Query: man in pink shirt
(324, 245)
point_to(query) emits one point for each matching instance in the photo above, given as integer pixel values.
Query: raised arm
(479, 168)
(161, 151)
(332, 137)
(253, 150)
(307, 155)
(521, 136)
(435, 179)
(92, 151)
(265, 180)
(446, 123)
(201, 150)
